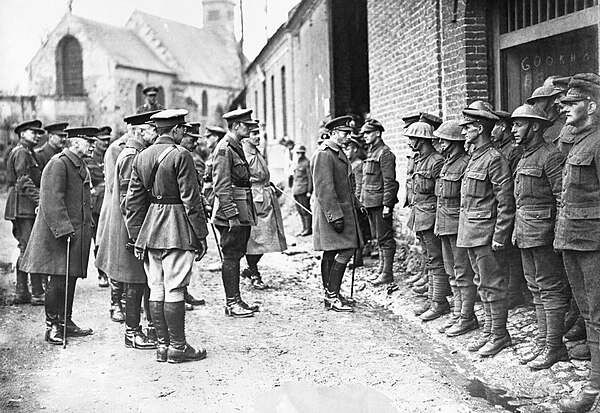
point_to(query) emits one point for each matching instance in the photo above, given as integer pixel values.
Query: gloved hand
(130, 245)
(201, 251)
(387, 211)
(497, 246)
(338, 225)
(139, 253)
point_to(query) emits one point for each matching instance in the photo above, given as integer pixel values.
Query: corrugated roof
(123, 45)
(204, 55)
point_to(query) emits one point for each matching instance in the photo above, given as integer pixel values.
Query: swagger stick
(293, 200)
(217, 241)
(66, 292)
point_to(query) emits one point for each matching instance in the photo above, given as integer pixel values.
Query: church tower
(218, 14)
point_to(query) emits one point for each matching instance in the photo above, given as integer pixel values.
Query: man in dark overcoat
(65, 214)
(335, 224)
(57, 139)
(23, 175)
(167, 226)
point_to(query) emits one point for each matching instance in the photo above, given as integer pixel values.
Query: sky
(26, 23)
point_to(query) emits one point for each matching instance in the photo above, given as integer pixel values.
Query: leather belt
(165, 200)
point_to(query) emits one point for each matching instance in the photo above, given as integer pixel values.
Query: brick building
(93, 73)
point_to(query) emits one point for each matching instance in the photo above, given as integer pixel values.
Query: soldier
(335, 225)
(302, 188)
(151, 103)
(545, 97)
(268, 233)
(456, 260)
(233, 211)
(486, 217)
(356, 155)
(577, 232)
(213, 135)
(123, 266)
(422, 214)
(379, 195)
(55, 143)
(167, 226)
(95, 165)
(537, 192)
(566, 136)
(65, 221)
(23, 175)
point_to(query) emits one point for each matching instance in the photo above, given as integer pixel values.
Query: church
(94, 73)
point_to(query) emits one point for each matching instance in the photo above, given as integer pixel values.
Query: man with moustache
(57, 139)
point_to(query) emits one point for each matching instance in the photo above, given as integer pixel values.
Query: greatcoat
(268, 234)
(65, 208)
(333, 199)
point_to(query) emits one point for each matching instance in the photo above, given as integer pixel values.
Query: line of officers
(510, 194)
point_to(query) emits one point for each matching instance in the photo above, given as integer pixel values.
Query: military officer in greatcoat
(335, 224)
(57, 139)
(302, 188)
(577, 232)
(422, 214)
(167, 226)
(233, 211)
(23, 176)
(379, 195)
(456, 260)
(485, 223)
(64, 221)
(151, 103)
(538, 185)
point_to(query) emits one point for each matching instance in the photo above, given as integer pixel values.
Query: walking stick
(353, 271)
(217, 241)
(293, 200)
(66, 293)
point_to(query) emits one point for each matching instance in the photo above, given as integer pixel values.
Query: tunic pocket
(580, 168)
(475, 184)
(241, 197)
(530, 179)
(424, 182)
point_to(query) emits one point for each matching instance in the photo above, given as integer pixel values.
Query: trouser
(303, 200)
(492, 283)
(55, 297)
(133, 304)
(233, 245)
(168, 273)
(382, 228)
(456, 262)
(22, 231)
(252, 260)
(510, 261)
(546, 279)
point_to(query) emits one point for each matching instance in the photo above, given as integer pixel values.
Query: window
(204, 103)
(160, 96)
(256, 103)
(69, 67)
(283, 102)
(214, 15)
(264, 94)
(273, 107)
(139, 95)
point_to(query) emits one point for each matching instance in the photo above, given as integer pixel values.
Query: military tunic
(423, 203)
(357, 171)
(302, 186)
(147, 107)
(44, 153)
(511, 151)
(95, 165)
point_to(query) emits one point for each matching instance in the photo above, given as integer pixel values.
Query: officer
(578, 225)
(151, 103)
(167, 226)
(23, 174)
(233, 211)
(123, 266)
(65, 221)
(213, 135)
(379, 195)
(356, 155)
(456, 260)
(538, 182)
(486, 217)
(302, 188)
(95, 165)
(422, 214)
(335, 225)
(57, 139)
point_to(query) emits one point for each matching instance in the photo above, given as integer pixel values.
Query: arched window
(69, 67)
(139, 95)
(204, 103)
(161, 96)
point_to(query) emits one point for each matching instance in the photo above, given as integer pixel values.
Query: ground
(293, 356)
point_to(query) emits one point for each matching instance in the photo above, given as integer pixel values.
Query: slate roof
(204, 55)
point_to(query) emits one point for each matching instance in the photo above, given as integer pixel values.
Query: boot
(380, 264)
(54, 332)
(306, 226)
(234, 305)
(102, 279)
(233, 308)
(411, 280)
(162, 333)
(22, 295)
(480, 341)
(437, 309)
(456, 309)
(554, 350)
(387, 275)
(332, 300)
(577, 332)
(422, 308)
(116, 307)
(424, 280)
(357, 261)
(467, 321)
(580, 352)
(179, 350)
(73, 330)
(37, 289)
(257, 282)
(189, 298)
(499, 339)
(540, 340)
(583, 401)
(134, 338)
(437, 290)
(326, 264)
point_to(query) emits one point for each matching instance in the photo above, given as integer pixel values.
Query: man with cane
(61, 236)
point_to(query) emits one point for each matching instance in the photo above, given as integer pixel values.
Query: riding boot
(555, 349)
(179, 350)
(333, 290)
(22, 295)
(233, 301)
(387, 275)
(485, 335)
(467, 321)
(157, 309)
(54, 331)
(134, 338)
(37, 289)
(500, 338)
(540, 340)
(116, 308)
(306, 225)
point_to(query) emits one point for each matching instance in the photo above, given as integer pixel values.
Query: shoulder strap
(161, 157)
